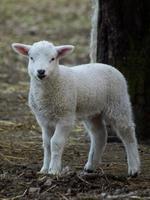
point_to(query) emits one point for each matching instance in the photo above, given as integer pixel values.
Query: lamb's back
(96, 84)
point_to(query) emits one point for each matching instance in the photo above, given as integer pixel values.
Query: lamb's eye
(52, 59)
(31, 58)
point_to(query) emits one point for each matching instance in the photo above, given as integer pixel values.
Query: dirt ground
(20, 137)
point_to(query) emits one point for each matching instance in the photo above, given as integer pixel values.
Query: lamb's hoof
(54, 172)
(134, 172)
(88, 168)
(43, 171)
(88, 171)
(133, 175)
(134, 169)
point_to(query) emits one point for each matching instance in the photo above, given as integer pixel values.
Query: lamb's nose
(41, 73)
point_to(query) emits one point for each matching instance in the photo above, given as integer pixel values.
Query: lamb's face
(43, 57)
(43, 60)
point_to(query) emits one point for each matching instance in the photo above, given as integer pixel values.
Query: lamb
(94, 93)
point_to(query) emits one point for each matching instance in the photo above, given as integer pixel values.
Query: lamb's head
(43, 57)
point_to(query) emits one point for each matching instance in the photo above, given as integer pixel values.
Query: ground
(62, 22)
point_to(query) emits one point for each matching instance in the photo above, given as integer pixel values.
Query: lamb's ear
(22, 49)
(64, 50)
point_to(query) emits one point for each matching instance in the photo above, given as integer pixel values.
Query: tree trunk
(121, 37)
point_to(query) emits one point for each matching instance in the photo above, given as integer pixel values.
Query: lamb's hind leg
(126, 132)
(98, 135)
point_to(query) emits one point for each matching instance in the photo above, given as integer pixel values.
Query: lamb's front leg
(57, 145)
(47, 133)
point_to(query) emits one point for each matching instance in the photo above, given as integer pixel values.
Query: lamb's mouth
(41, 76)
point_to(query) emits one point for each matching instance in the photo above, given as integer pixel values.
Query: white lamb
(92, 93)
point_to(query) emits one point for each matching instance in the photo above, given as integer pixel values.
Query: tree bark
(122, 34)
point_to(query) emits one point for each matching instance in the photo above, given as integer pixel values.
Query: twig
(49, 189)
(63, 196)
(20, 174)
(88, 183)
(121, 196)
(104, 175)
(17, 197)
